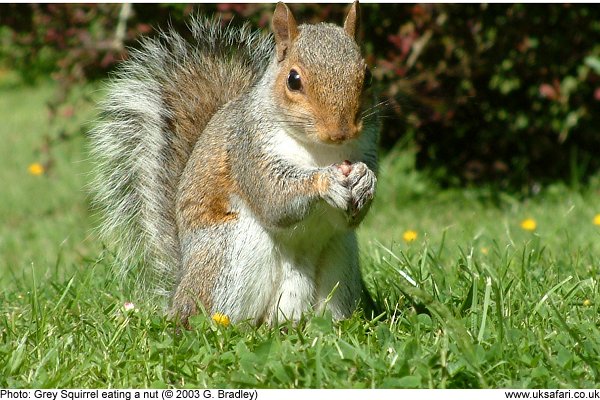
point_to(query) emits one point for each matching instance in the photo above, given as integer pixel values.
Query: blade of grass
(486, 303)
(548, 293)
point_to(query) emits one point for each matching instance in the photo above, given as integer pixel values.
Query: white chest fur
(309, 154)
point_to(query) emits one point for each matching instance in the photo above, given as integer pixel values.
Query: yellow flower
(597, 219)
(529, 224)
(409, 236)
(587, 302)
(485, 251)
(36, 169)
(221, 319)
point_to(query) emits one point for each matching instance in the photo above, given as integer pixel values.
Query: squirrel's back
(157, 105)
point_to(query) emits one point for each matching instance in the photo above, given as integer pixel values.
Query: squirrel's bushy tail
(157, 105)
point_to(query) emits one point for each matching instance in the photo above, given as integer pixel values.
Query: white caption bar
(301, 394)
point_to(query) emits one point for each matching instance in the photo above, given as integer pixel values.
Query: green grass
(44, 217)
(493, 306)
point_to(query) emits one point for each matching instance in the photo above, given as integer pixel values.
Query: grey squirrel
(238, 165)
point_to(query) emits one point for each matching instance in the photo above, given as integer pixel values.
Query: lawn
(472, 295)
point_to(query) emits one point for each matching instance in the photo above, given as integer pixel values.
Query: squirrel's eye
(294, 82)
(368, 79)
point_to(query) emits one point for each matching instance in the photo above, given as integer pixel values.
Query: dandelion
(221, 319)
(409, 236)
(485, 251)
(36, 169)
(529, 224)
(587, 302)
(597, 219)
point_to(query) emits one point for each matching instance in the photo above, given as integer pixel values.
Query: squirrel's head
(321, 76)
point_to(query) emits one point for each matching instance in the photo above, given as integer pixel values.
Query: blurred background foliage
(507, 95)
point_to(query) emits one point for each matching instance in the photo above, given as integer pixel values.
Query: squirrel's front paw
(362, 182)
(336, 189)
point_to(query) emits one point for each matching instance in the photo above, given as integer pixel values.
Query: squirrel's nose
(344, 132)
(338, 135)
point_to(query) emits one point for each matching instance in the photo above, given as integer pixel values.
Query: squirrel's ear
(285, 29)
(352, 23)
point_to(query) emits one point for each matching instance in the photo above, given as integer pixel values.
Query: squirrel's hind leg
(202, 263)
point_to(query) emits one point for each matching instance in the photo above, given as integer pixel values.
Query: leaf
(593, 62)
(406, 382)
(16, 359)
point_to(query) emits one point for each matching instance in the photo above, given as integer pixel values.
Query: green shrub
(498, 92)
